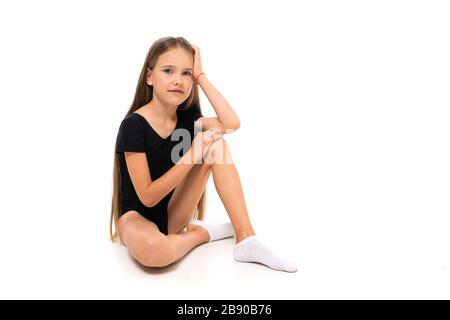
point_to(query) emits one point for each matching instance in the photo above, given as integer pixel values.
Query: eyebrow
(168, 65)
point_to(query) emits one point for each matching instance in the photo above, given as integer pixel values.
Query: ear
(148, 78)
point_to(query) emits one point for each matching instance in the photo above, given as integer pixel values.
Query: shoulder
(133, 120)
(132, 135)
(189, 114)
(132, 123)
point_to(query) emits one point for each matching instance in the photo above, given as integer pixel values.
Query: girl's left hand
(197, 62)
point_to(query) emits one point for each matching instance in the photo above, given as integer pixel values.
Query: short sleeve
(131, 137)
(190, 114)
(196, 115)
(193, 116)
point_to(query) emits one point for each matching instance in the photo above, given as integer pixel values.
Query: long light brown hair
(143, 95)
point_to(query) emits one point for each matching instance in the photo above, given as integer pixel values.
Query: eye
(170, 70)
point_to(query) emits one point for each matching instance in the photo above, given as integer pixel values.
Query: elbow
(233, 127)
(147, 196)
(148, 201)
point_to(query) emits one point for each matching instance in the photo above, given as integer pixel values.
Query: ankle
(199, 232)
(243, 235)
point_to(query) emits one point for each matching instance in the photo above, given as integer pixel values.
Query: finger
(210, 132)
(215, 130)
(214, 136)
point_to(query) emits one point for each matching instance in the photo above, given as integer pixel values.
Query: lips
(176, 90)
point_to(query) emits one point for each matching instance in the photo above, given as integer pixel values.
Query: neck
(163, 112)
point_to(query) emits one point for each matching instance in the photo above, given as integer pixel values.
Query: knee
(219, 153)
(204, 166)
(155, 253)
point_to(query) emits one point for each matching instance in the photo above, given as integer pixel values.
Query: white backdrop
(343, 149)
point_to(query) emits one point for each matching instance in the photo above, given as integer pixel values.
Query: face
(173, 71)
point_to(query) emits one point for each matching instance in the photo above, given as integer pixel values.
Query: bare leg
(229, 188)
(228, 185)
(152, 248)
(185, 241)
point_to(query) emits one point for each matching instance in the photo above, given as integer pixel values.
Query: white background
(343, 149)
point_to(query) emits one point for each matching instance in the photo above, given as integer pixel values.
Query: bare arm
(225, 113)
(152, 192)
(227, 119)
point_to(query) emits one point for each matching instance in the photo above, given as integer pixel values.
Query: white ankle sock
(216, 231)
(251, 249)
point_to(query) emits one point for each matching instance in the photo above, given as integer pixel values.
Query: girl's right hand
(197, 62)
(202, 143)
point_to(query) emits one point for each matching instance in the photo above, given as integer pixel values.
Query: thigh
(186, 196)
(141, 236)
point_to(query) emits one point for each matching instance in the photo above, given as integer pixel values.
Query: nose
(178, 80)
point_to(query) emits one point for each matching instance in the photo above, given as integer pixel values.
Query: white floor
(208, 272)
(339, 266)
(354, 236)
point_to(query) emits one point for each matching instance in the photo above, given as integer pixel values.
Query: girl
(158, 195)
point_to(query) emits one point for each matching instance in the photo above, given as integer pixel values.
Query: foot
(251, 249)
(202, 232)
(216, 231)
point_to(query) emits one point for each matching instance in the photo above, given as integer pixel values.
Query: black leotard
(137, 135)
